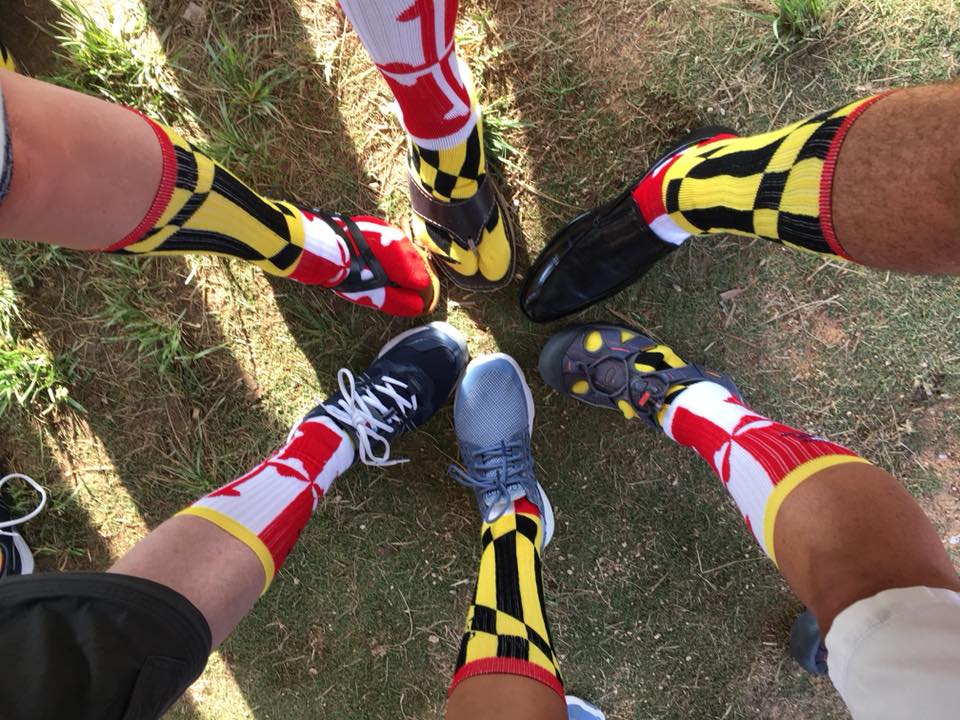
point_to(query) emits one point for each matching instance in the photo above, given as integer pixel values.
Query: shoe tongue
(609, 376)
(498, 505)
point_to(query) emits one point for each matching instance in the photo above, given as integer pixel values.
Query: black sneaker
(15, 555)
(412, 377)
(806, 644)
(598, 363)
(599, 252)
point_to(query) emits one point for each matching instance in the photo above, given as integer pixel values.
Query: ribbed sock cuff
(829, 169)
(506, 666)
(168, 179)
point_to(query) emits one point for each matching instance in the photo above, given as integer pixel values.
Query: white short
(896, 655)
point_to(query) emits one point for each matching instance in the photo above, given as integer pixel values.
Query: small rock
(194, 13)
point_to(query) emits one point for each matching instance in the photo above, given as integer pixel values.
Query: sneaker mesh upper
(491, 405)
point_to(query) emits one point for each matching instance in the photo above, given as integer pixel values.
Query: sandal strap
(649, 391)
(463, 220)
(361, 256)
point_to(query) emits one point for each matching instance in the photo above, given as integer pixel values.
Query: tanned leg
(896, 192)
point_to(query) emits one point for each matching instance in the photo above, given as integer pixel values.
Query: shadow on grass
(309, 160)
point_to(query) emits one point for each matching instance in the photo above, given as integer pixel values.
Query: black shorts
(75, 646)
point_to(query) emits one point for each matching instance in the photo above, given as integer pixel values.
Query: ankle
(452, 172)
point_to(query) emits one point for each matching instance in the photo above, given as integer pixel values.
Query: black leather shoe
(598, 253)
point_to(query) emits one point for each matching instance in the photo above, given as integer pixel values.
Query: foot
(493, 415)
(602, 251)
(15, 555)
(459, 214)
(371, 263)
(412, 377)
(578, 709)
(617, 367)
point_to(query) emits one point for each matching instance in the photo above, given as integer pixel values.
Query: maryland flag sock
(200, 207)
(507, 630)
(759, 461)
(777, 185)
(412, 44)
(268, 507)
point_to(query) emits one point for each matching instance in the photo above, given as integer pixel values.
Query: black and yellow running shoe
(620, 368)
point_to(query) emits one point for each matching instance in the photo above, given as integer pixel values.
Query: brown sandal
(462, 222)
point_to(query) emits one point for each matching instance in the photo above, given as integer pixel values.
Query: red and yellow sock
(267, 508)
(200, 207)
(507, 630)
(776, 185)
(759, 461)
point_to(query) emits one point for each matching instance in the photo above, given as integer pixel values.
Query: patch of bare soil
(778, 689)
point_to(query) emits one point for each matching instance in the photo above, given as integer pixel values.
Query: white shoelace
(30, 515)
(364, 412)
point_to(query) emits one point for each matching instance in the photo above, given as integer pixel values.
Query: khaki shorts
(897, 655)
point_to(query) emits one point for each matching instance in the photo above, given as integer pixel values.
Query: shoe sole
(439, 326)
(26, 557)
(549, 521)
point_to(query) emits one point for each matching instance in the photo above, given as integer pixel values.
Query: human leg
(853, 182)
(89, 175)
(848, 539)
(458, 213)
(507, 666)
(163, 606)
(802, 497)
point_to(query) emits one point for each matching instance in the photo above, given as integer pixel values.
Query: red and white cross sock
(411, 42)
(268, 507)
(759, 461)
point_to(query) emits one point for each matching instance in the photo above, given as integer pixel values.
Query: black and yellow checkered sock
(6, 59)
(452, 174)
(776, 185)
(507, 630)
(200, 207)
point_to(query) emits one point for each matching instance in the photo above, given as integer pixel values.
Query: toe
(494, 251)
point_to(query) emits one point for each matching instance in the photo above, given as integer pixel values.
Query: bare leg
(896, 199)
(506, 697)
(89, 175)
(223, 581)
(99, 194)
(852, 531)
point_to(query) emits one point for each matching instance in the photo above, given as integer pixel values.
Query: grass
(190, 370)
(799, 17)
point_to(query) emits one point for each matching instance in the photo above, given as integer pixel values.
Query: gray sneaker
(493, 415)
(578, 709)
